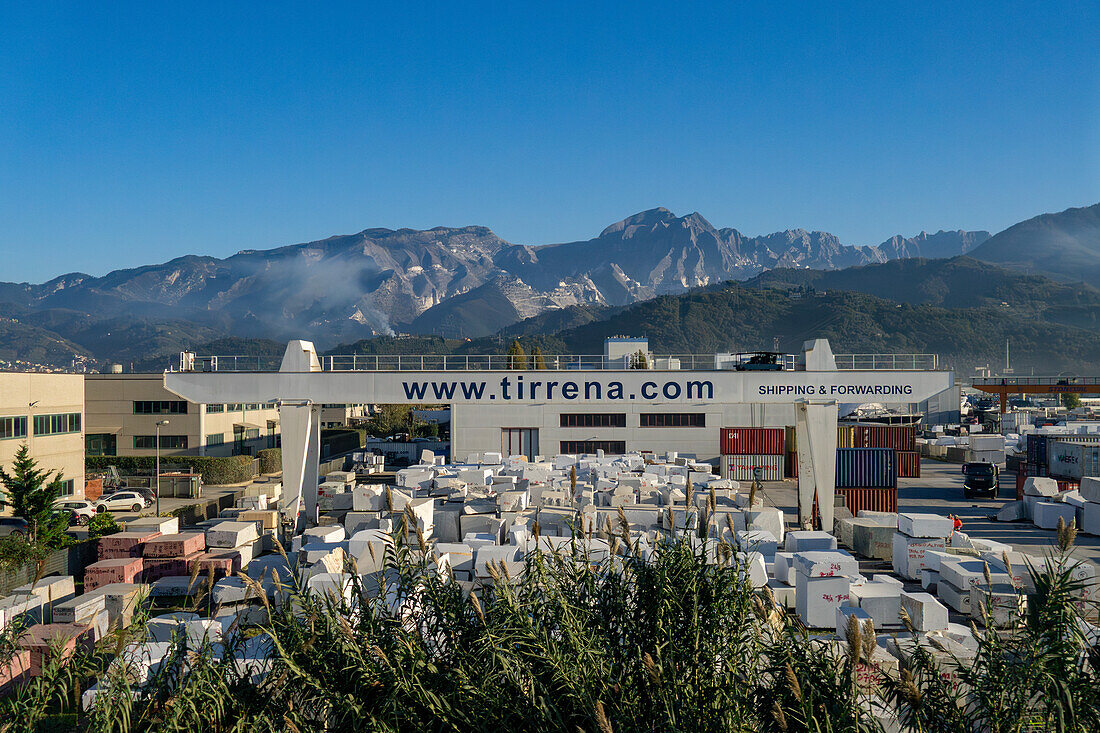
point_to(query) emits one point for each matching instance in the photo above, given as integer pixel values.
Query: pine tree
(537, 360)
(31, 493)
(517, 357)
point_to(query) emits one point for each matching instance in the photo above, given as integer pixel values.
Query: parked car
(121, 501)
(14, 526)
(84, 510)
(149, 495)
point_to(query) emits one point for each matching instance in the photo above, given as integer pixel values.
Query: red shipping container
(898, 437)
(105, 572)
(155, 568)
(175, 545)
(124, 544)
(40, 638)
(908, 463)
(752, 441)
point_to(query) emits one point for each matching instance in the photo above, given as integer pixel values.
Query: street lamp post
(160, 424)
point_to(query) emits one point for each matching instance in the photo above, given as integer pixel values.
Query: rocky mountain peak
(642, 220)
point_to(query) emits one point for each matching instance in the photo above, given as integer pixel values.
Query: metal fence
(557, 362)
(69, 560)
(1035, 381)
(887, 362)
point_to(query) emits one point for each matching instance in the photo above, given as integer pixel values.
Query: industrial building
(339, 415)
(45, 412)
(625, 400)
(123, 410)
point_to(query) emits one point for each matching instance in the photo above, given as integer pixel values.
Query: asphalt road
(167, 504)
(939, 491)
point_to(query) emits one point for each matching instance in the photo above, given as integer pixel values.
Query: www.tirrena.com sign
(558, 386)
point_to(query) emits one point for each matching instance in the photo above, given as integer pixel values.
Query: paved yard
(167, 504)
(939, 490)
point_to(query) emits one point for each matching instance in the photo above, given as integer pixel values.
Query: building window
(615, 447)
(167, 442)
(215, 439)
(101, 444)
(252, 406)
(13, 427)
(67, 488)
(252, 434)
(234, 407)
(211, 409)
(592, 420)
(270, 406)
(68, 422)
(673, 419)
(160, 407)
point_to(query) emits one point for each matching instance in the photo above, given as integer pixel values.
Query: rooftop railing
(558, 362)
(1034, 381)
(887, 362)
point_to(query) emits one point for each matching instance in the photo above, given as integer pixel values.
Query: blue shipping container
(1036, 449)
(866, 468)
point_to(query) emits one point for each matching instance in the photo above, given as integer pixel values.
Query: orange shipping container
(874, 500)
(908, 463)
(898, 437)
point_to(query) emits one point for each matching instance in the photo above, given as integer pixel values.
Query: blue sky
(131, 133)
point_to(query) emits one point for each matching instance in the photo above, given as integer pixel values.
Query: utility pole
(160, 424)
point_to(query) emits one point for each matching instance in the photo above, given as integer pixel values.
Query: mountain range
(468, 282)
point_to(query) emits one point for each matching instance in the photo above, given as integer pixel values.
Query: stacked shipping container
(1040, 448)
(867, 479)
(866, 468)
(900, 438)
(746, 449)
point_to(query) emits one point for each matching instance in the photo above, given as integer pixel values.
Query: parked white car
(84, 510)
(121, 501)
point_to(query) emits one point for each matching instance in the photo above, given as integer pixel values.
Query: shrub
(16, 551)
(335, 441)
(271, 460)
(213, 469)
(103, 523)
(678, 641)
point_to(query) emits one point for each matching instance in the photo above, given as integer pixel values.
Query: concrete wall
(477, 428)
(30, 394)
(109, 401)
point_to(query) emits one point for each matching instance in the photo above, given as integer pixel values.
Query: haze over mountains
(468, 282)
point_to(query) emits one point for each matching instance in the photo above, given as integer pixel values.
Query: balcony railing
(559, 362)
